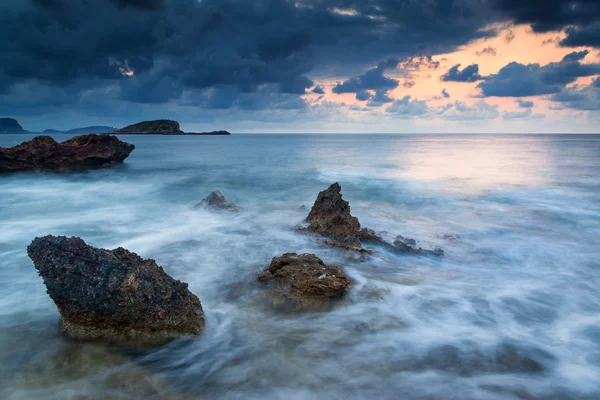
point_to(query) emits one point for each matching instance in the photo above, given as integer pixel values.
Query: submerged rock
(305, 277)
(216, 200)
(114, 294)
(45, 154)
(408, 245)
(330, 216)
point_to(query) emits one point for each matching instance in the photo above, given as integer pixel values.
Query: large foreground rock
(216, 200)
(330, 216)
(305, 279)
(114, 294)
(45, 154)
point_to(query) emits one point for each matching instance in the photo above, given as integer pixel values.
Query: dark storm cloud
(373, 79)
(176, 46)
(468, 74)
(521, 80)
(142, 4)
(580, 18)
(583, 36)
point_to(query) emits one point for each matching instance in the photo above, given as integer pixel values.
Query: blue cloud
(519, 80)
(468, 74)
(525, 103)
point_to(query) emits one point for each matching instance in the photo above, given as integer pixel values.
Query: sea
(511, 311)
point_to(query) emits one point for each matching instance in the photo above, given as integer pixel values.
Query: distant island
(84, 130)
(156, 127)
(160, 127)
(10, 125)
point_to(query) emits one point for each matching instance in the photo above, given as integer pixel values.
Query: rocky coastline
(43, 153)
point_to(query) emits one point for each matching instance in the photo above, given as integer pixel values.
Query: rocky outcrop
(330, 217)
(217, 201)
(10, 125)
(304, 280)
(45, 154)
(159, 126)
(114, 294)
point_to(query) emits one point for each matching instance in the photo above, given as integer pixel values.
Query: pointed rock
(216, 200)
(330, 216)
(114, 294)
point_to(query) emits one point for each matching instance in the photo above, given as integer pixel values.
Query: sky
(277, 66)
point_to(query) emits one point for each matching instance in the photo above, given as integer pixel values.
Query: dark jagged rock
(45, 154)
(330, 216)
(409, 246)
(159, 126)
(114, 294)
(348, 247)
(302, 278)
(10, 125)
(216, 200)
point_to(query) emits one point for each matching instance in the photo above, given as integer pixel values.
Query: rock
(405, 241)
(451, 237)
(43, 153)
(409, 246)
(216, 200)
(330, 216)
(159, 126)
(304, 277)
(348, 247)
(10, 125)
(114, 294)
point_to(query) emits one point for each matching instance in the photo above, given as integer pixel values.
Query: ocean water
(512, 311)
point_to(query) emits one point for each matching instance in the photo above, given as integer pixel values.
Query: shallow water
(511, 312)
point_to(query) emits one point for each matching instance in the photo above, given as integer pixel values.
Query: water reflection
(477, 163)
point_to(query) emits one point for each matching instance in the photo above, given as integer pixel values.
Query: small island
(10, 125)
(160, 127)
